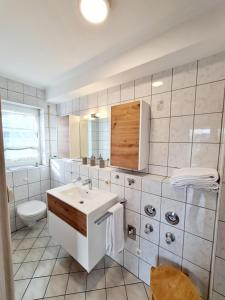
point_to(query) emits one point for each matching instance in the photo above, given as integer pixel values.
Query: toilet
(31, 211)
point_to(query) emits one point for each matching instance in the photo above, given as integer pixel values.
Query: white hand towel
(115, 230)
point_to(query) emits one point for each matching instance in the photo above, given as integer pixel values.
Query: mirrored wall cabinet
(69, 136)
(130, 135)
(84, 136)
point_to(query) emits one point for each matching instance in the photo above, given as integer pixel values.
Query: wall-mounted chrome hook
(148, 228)
(170, 238)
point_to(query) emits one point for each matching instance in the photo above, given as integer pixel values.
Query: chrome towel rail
(103, 218)
(107, 214)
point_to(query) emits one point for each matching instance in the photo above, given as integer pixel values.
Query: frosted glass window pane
(21, 125)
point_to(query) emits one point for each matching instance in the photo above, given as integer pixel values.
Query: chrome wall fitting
(130, 181)
(150, 210)
(172, 218)
(131, 232)
(170, 238)
(148, 228)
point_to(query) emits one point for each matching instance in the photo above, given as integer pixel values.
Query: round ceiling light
(94, 11)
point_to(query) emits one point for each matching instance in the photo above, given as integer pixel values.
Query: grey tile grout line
(221, 131)
(124, 282)
(159, 224)
(146, 291)
(139, 241)
(66, 283)
(184, 229)
(217, 293)
(220, 257)
(105, 282)
(188, 115)
(51, 272)
(168, 145)
(202, 143)
(223, 221)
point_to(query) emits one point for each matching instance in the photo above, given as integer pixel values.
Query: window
(21, 133)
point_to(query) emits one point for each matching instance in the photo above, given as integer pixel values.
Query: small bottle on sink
(92, 161)
(101, 162)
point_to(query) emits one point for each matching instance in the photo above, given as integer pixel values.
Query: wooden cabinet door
(125, 123)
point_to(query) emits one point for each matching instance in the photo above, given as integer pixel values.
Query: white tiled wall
(186, 123)
(192, 248)
(33, 182)
(186, 131)
(186, 113)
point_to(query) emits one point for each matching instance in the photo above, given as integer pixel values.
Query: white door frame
(6, 271)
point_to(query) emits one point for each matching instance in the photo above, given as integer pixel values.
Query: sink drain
(81, 202)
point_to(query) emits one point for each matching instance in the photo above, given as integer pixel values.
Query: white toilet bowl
(31, 211)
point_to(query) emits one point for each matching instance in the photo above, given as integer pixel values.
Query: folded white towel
(203, 173)
(115, 230)
(199, 178)
(198, 186)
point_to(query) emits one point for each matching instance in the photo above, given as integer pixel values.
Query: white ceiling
(45, 42)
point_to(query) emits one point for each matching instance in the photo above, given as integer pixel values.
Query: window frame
(39, 118)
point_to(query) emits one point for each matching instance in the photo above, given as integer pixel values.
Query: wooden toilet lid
(169, 283)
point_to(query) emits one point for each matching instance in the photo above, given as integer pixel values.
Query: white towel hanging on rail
(115, 230)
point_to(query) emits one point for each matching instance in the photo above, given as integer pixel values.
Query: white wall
(30, 183)
(186, 129)
(186, 112)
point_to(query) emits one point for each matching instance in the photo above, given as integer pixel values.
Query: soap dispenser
(92, 161)
(101, 162)
(84, 160)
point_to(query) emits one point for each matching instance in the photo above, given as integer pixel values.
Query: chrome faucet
(89, 182)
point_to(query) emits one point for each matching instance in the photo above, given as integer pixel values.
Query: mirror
(84, 136)
(94, 135)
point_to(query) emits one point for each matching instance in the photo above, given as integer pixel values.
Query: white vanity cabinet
(77, 232)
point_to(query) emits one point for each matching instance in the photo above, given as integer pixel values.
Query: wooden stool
(170, 283)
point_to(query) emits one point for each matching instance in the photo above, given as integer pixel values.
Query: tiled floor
(44, 270)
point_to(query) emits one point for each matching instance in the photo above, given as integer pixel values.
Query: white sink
(81, 198)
